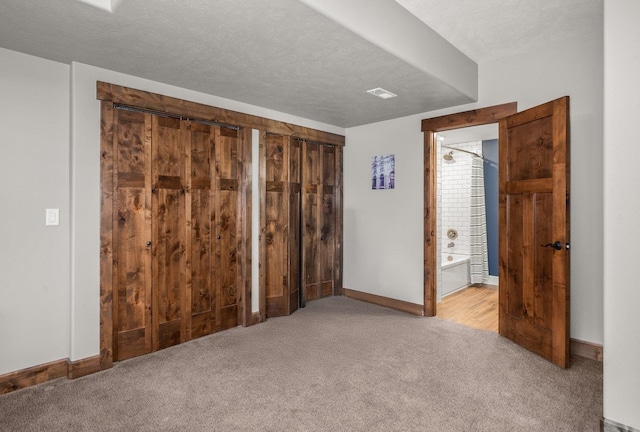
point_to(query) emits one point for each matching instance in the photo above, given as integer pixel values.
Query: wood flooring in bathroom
(475, 306)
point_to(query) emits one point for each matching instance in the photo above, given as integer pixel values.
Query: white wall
(383, 231)
(85, 133)
(621, 229)
(34, 176)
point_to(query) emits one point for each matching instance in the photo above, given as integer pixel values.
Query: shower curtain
(478, 225)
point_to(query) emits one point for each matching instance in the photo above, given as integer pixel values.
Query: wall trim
(153, 101)
(403, 306)
(587, 350)
(42, 373)
(611, 426)
(256, 318)
(83, 367)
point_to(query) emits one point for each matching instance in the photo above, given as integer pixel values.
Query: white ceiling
(288, 56)
(490, 29)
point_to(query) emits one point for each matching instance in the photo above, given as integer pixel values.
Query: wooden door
(295, 222)
(168, 224)
(319, 220)
(200, 283)
(132, 330)
(227, 239)
(282, 224)
(175, 231)
(534, 230)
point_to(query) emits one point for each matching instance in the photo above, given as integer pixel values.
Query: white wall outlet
(53, 217)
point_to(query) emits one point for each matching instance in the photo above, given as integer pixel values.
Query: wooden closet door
(132, 330)
(227, 238)
(282, 224)
(168, 233)
(319, 219)
(327, 234)
(295, 215)
(201, 289)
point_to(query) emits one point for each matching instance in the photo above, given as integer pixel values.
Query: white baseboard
(492, 280)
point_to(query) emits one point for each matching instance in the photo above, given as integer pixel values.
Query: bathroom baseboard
(492, 280)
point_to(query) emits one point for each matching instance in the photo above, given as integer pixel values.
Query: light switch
(53, 217)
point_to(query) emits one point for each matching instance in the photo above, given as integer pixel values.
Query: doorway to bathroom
(534, 221)
(467, 226)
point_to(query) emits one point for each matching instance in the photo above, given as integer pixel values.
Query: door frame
(430, 126)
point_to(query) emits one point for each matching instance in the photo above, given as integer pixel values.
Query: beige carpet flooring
(337, 365)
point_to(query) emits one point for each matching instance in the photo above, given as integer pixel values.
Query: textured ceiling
(490, 29)
(285, 55)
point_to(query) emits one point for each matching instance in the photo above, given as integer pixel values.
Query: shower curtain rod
(465, 151)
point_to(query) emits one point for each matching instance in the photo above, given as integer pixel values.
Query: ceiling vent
(382, 93)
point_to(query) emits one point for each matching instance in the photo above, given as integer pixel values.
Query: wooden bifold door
(302, 224)
(175, 231)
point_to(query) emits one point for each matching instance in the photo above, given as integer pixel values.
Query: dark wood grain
(178, 265)
(281, 224)
(263, 257)
(31, 376)
(475, 117)
(106, 235)
(131, 233)
(534, 295)
(156, 102)
(226, 227)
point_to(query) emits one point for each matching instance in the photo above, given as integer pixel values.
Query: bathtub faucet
(452, 244)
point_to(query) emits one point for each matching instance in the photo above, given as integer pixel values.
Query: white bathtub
(455, 273)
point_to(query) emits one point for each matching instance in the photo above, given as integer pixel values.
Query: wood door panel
(515, 265)
(327, 237)
(169, 334)
(534, 215)
(295, 197)
(131, 343)
(131, 264)
(202, 324)
(202, 289)
(229, 317)
(310, 239)
(276, 244)
(201, 286)
(543, 270)
(532, 154)
(169, 224)
(168, 160)
(130, 269)
(169, 254)
(202, 142)
(227, 153)
(312, 291)
(130, 143)
(226, 267)
(281, 224)
(227, 248)
(526, 335)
